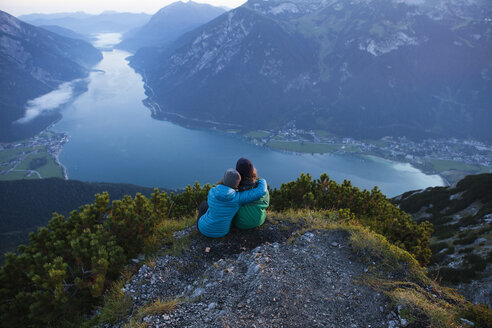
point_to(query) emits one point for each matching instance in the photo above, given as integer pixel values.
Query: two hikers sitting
(240, 199)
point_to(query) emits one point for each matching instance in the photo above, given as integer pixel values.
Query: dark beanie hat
(232, 178)
(245, 167)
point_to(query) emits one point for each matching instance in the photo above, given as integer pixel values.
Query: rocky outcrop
(268, 277)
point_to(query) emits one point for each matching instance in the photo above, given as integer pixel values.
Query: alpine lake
(113, 138)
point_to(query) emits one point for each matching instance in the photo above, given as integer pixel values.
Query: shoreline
(196, 123)
(56, 154)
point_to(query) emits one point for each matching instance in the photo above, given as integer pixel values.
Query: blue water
(112, 138)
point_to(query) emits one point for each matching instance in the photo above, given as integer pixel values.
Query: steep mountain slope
(169, 23)
(86, 24)
(34, 61)
(462, 237)
(64, 32)
(360, 68)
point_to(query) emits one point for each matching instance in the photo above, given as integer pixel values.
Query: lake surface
(112, 138)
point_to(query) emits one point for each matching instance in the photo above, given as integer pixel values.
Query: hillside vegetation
(461, 243)
(26, 205)
(66, 268)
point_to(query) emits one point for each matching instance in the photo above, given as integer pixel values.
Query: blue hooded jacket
(223, 203)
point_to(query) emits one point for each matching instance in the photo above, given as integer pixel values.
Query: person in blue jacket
(224, 201)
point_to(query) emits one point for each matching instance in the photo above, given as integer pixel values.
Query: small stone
(212, 306)
(166, 317)
(207, 249)
(392, 324)
(468, 322)
(198, 292)
(334, 244)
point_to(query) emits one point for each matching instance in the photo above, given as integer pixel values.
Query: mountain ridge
(374, 68)
(169, 23)
(35, 61)
(86, 24)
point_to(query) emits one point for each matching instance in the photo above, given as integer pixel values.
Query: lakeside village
(451, 158)
(33, 158)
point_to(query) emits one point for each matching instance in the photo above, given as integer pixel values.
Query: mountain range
(169, 23)
(33, 62)
(64, 32)
(362, 68)
(86, 24)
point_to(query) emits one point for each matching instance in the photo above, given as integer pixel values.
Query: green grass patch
(304, 147)
(323, 133)
(48, 170)
(257, 134)
(446, 165)
(463, 24)
(16, 175)
(9, 154)
(378, 143)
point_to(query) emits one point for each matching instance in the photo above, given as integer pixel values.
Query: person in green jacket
(250, 215)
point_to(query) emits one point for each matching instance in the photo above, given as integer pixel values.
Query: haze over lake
(113, 138)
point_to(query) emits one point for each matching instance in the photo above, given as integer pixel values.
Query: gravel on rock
(258, 278)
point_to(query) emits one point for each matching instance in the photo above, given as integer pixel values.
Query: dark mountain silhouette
(169, 23)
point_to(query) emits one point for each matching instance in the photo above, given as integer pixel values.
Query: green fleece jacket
(252, 215)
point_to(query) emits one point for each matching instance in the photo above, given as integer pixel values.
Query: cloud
(47, 102)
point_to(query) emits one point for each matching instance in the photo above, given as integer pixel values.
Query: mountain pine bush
(372, 209)
(67, 265)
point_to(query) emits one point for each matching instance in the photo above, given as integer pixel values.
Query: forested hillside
(26, 205)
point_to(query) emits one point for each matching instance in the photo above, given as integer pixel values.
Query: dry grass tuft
(156, 308)
(117, 304)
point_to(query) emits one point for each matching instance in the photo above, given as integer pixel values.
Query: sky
(22, 7)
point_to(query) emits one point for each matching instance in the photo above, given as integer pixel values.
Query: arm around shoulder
(256, 193)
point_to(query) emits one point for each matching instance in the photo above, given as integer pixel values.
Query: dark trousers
(202, 209)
